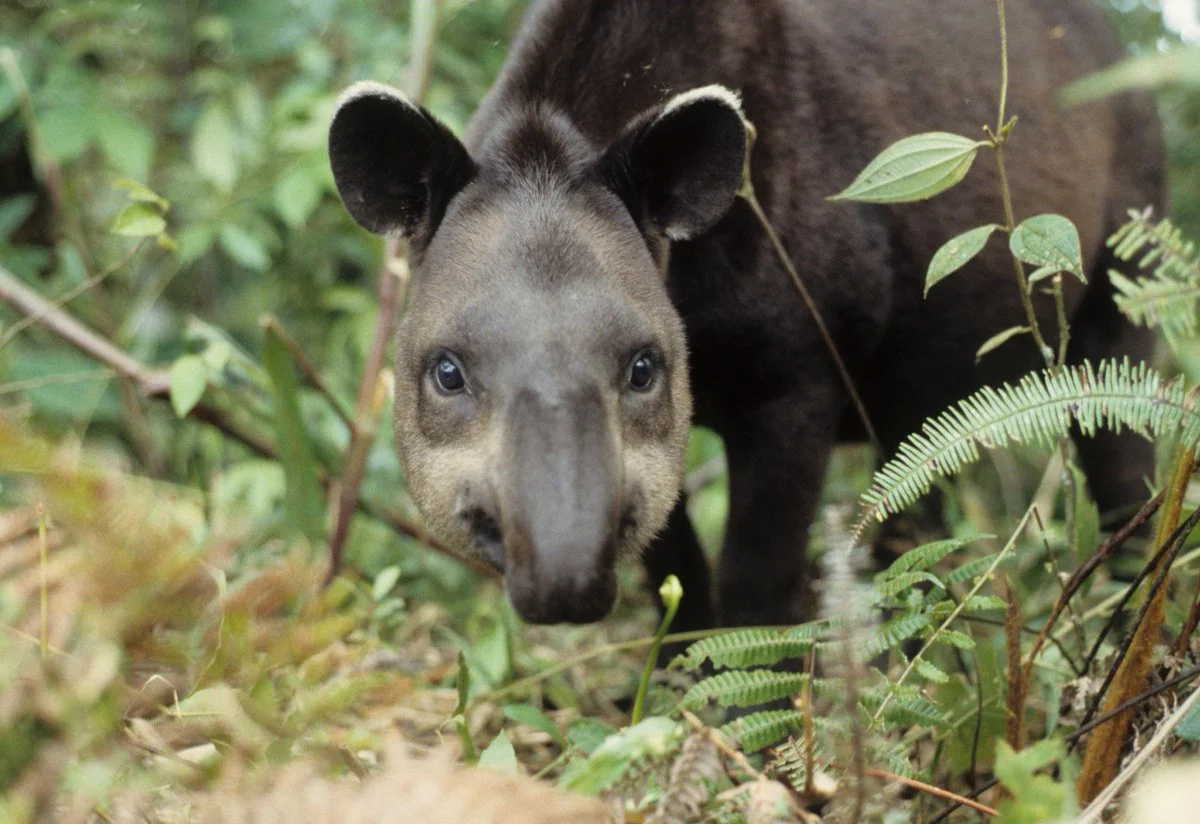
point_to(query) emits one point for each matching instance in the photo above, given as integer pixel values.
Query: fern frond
(762, 729)
(743, 688)
(1039, 409)
(1170, 297)
(746, 648)
(906, 708)
(925, 556)
(884, 590)
(971, 569)
(894, 631)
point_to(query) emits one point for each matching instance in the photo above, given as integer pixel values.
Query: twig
(954, 615)
(747, 194)
(1096, 808)
(1084, 572)
(959, 800)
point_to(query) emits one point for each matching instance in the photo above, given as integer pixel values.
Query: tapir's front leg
(778, 453)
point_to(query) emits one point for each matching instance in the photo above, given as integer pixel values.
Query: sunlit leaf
(139, 220)
(189, 379)
(1051, 243)
(956, 252)
(500, 755)
(214, 146)
(914, 168)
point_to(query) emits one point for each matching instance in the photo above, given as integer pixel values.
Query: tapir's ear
(395, 166)
(679, 167)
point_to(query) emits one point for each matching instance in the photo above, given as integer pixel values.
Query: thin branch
(959, 800)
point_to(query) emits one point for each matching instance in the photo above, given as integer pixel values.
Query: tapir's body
(828, 84)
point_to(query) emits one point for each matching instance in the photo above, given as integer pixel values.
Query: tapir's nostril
(488, 537)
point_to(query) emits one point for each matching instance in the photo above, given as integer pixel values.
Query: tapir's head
(542, 401)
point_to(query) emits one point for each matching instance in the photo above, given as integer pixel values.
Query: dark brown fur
(828, 85)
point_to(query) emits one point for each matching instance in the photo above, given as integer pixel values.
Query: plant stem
(671, 593)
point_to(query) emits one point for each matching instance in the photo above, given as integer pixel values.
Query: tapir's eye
(643, 370)
(448, 375)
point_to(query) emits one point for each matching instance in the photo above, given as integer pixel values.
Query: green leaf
(1189, 727)
(927, 555)
(914, 168)
(385, 581)
(13, 212)
(931, 672)
(742, 688)
(956, 252)
(1049, 242)
(125, 142)
(957, 639)
(462, 684)
(302, 496)
(998, 340)
(141, 193)
(757, 730)
(531, 716)
(139, 220)
(296, 193)
(588, 733)
(654, 737)
(1085, 537)
(214, 146)
(746, 648)
(243, 247)
(189, 379)
(65, 132)
(500, 755)
(1179, 65)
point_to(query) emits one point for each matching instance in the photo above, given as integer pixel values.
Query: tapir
(587, 284)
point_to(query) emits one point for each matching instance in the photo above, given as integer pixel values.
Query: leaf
(957, 639)
(1189, 727)
(956, 253)
(13, 212)
(652, 738)
(385, 581)
(125, 142)
(139, 220)
(65, 132)
(500, 755)
(588, 733)
(742, 688)
(462, 684)
(214, 146)
(914, 168)
(189, 379)
(927, 555)
(140, 193)
(1085, 537)
(302, 495)
(746, 648)
(931, 672)
(757, 730)
(296, 193)
(1178, 65)
(243, 247)
(998, 340)
(531, 716)
(1050, 242)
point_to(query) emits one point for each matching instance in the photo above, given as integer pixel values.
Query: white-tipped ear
(679, 167)
(395, 166)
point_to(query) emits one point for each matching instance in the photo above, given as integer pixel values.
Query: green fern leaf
(1170, 296)
(895, 631)
(984, 603)
(926, 556)
(932, 672)
(762, 729)
(905, 581)
(1039, 409)
(743, 688)
(746, 648)
(970, 570)
(907, 708)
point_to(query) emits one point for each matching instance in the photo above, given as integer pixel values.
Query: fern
(1169, 297)
(1040, 408)
(906, 707)
(894, 631)
(746, 648)
(925, 556)
(743, 688)
(971, 569)
(762, 729)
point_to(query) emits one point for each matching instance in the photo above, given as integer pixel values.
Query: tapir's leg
(677, 551)
(1117, 466)
(778, 453)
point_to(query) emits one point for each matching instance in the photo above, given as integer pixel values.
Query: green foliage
(1168, 297)
(914, 168)
(1040, 408)
(1049, 242)
(1036, 798)
(746, 648)
(956, 253)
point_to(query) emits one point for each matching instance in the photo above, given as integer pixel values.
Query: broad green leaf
(140, 193)
(302, 496)
(1049, 242)
(189, 379)
(214, 146)
(914, 168)
(243, 247)
(956, 252)
(296, 193)
(999, 339)
(499, 755)
(125, 142)
(531, 716)
(65, 132)
(139, 220)
(588, 733)
(385, 581)
(1085, 538)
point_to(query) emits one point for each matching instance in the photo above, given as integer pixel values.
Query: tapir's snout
(559, 501)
